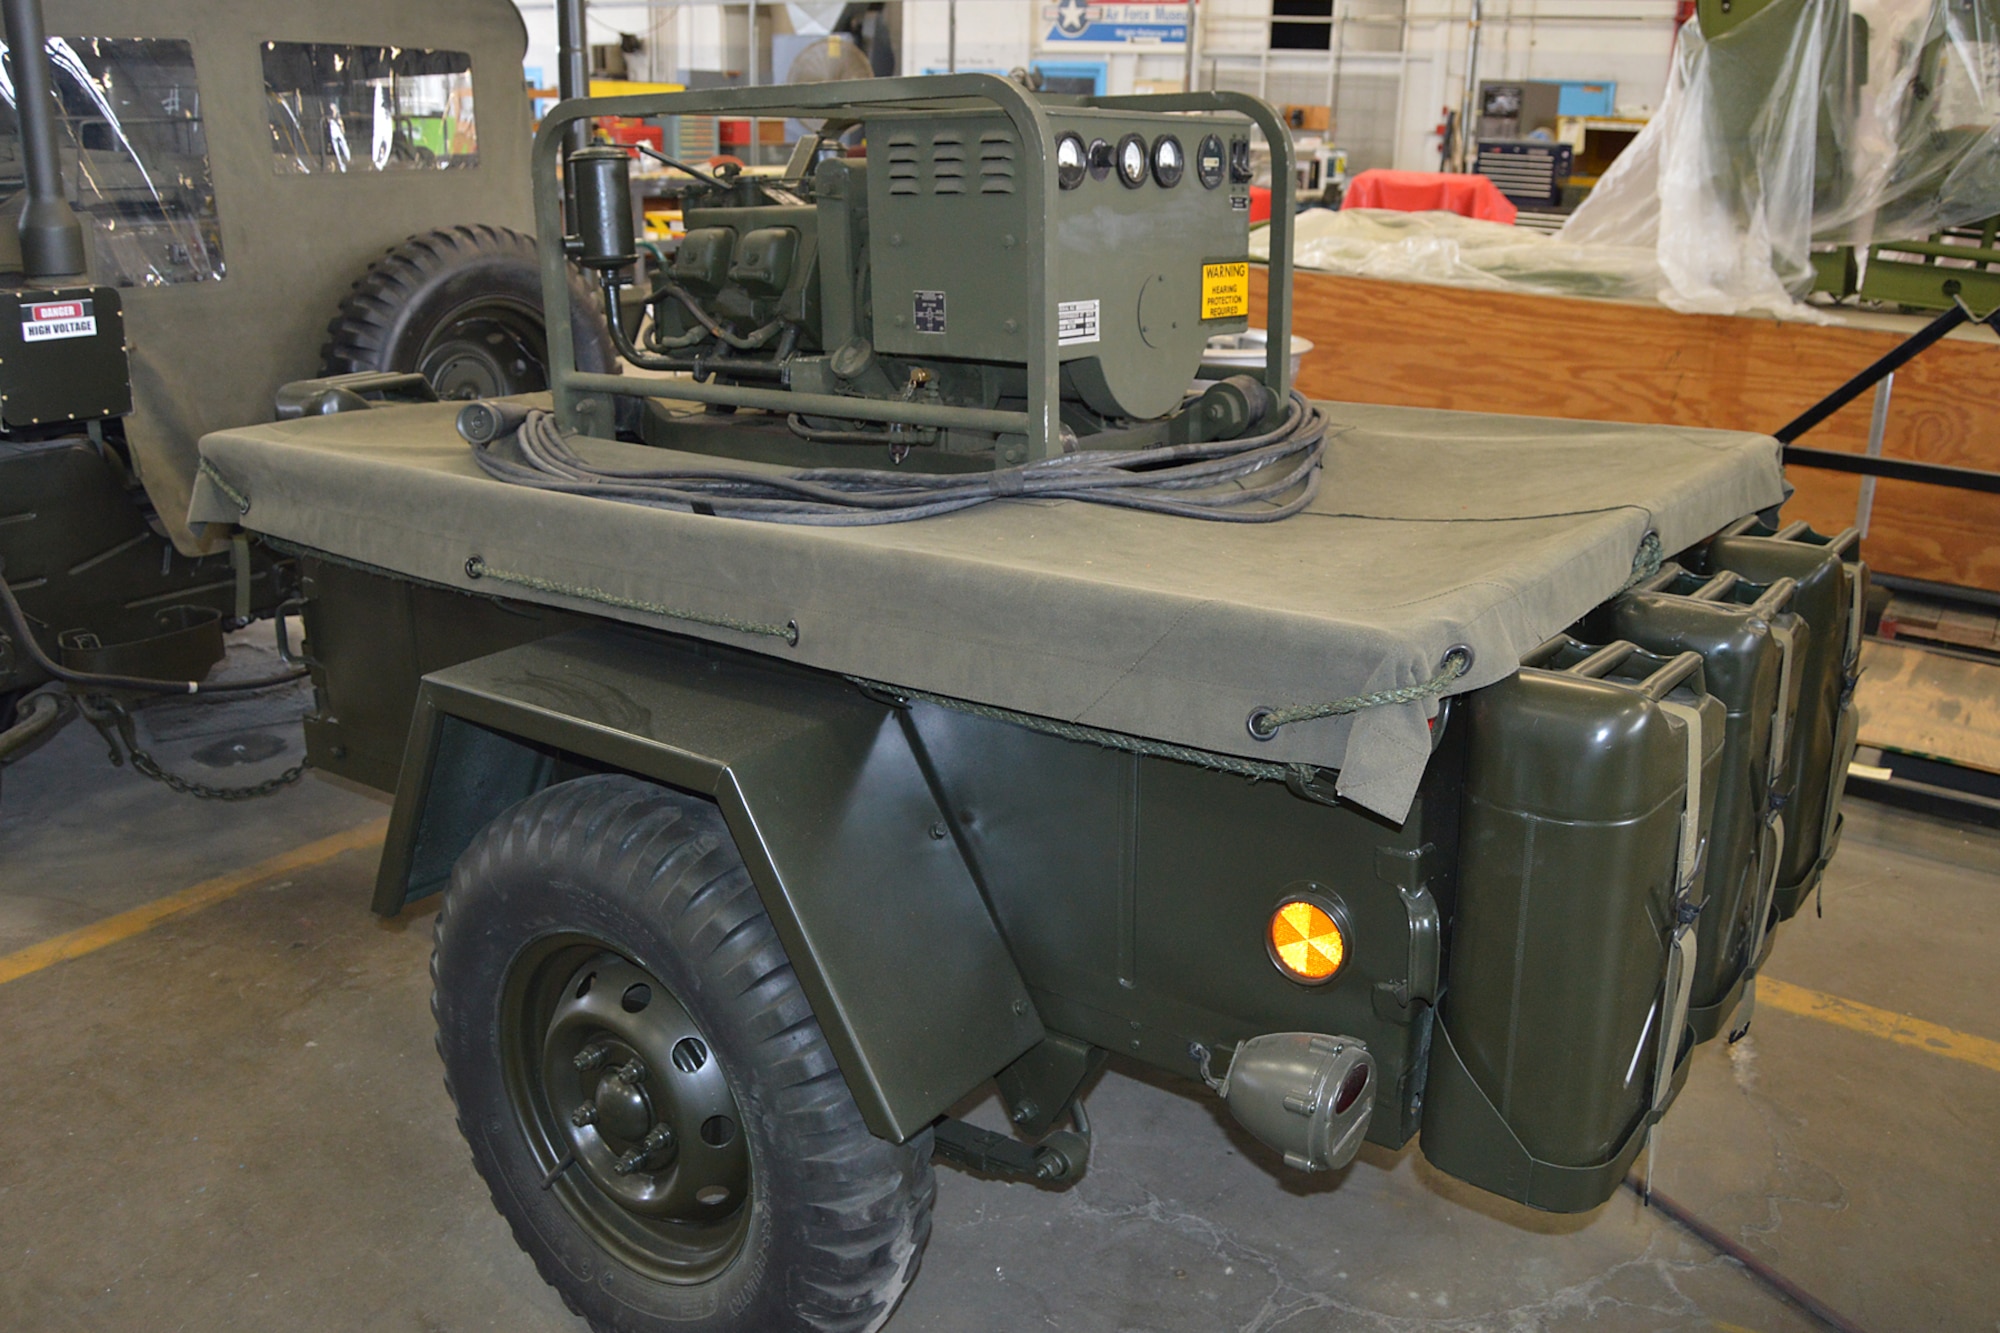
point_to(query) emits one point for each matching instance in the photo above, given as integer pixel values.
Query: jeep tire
(644, 1087)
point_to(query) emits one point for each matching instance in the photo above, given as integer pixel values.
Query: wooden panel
(1928, 704)
(1428, 346)
(1908, 617)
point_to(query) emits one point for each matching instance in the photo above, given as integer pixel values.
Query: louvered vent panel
(996, 163)
(903, 165)
(948, 164)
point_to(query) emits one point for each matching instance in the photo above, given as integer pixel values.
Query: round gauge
(1132, 161)
(1100, 159)
(1071, 161)
(1209, 162)
(1169, 161)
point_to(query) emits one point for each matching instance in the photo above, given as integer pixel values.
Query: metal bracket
(279, 615)
(1306, 784)
(1410, 872)
(1692, 842)
(1041, 1087)
(1056, 1160)
(1677, 987)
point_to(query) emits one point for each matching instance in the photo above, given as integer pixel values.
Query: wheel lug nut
(658, 1138)
(590, 1057)
(583, 1115)
(632, 1072)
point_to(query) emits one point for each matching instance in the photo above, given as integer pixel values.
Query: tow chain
(114, 722)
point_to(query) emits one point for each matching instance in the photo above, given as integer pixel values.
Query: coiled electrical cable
(1257, 479)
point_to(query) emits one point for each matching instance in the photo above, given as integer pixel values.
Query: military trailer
(218, 199)
(922, 676)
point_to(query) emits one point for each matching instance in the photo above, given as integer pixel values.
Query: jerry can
(1751, 644)
(1591, 778)
(1831, 599)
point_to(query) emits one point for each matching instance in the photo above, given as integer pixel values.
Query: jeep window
(368, 108)
(134, 151)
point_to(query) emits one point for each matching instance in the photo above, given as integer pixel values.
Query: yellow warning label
(1225, 291)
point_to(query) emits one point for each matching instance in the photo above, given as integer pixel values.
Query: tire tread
(865, 1204)
(359, 335)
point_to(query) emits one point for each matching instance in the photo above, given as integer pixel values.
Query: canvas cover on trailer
(1432, 529)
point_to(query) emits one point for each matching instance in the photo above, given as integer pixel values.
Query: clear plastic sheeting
(1848, 121)
(1925, 146)
(1802, 122)
(1721, 181)
(134, 155)
(1464, 252)
(338, 108)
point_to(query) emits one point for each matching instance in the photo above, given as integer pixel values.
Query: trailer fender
(849, 848)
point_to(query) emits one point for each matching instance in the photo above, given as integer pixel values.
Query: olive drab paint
(101, 551)
(1512, 941)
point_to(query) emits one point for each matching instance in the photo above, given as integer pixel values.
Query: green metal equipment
(905, 302)
(1909, 273)
(769, 828)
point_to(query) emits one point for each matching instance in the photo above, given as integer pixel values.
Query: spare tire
(462, 306)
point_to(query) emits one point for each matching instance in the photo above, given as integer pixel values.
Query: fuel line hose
(14, 623)
(1259, 478)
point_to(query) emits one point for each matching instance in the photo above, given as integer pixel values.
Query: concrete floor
(235, 1120)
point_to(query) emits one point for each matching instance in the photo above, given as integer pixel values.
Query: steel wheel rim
(627, 1112)
(489, 347)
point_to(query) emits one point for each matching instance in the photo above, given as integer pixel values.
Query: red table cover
(1429, 191)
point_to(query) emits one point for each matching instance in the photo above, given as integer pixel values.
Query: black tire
(834, 1220)
(463, 307)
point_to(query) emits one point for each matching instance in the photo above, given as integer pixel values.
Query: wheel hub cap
(621, 1046)
(487, 349)
(641, 1135)
(622, 1109)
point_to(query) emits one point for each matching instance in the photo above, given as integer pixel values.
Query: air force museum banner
(1084, 24)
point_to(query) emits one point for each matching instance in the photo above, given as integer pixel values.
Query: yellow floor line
(125, 925)
(1953, 1045)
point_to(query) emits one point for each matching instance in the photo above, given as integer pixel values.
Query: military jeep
(221, 199)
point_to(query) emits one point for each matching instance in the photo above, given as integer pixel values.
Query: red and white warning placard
(44, 320)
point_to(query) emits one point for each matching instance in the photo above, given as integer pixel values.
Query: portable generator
(1004, 276)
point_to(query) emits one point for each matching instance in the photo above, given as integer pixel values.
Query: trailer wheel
(643, 1084)
(462, 306)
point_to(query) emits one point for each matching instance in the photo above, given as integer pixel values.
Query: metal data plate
(62, 357)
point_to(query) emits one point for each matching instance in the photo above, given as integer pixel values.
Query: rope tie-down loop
(1264, 721)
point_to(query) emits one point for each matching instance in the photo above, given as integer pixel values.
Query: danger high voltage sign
(42, 321)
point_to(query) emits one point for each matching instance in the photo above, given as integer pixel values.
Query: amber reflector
(1306, 942)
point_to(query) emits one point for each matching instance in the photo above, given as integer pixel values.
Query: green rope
(477, 568)
(1646, 561)
(1253, 769)
(236, 497)
(1265, 721)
